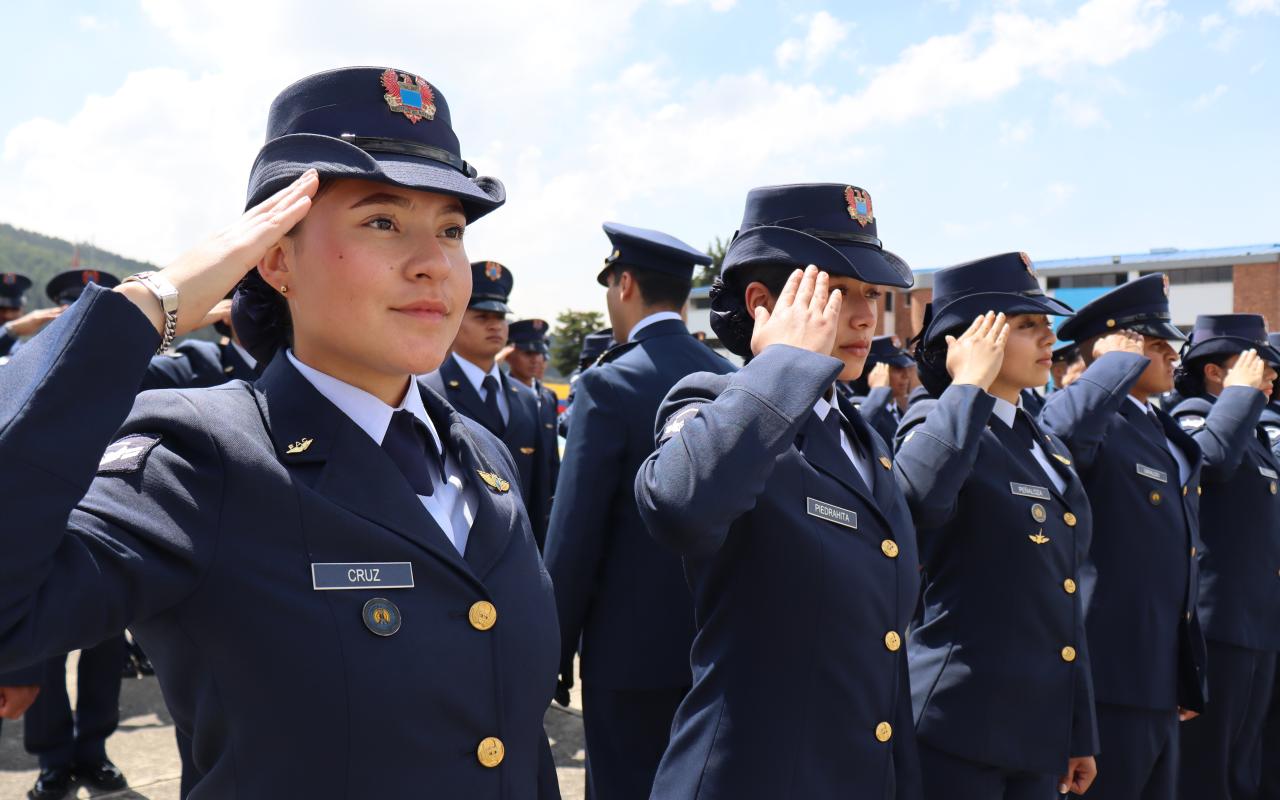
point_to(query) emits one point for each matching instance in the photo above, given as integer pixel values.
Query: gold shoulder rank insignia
(1062, 458)
(299, 446)
(1038, 537)
(494, 482)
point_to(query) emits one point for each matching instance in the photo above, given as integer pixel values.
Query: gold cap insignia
(299, 446)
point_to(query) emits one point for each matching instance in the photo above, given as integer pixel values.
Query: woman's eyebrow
(383, 198)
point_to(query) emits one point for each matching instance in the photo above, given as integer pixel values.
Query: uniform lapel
(463, 396)
(885, 485)
(231, 358)
(1021, 454)
(826, 455)
(354, 472)
(496, 513)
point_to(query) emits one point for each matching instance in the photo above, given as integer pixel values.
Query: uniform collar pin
(299, 446)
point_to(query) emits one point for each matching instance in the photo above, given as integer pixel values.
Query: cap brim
(282, 160)
(963, 310)
(490, 305)
(10, 302)
(768, 244)
(1158, 329)
(1231, 345)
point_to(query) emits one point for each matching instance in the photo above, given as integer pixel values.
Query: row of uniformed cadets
(738, 597)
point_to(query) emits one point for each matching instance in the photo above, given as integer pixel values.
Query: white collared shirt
(1184, 466)
(476, 377)
(453, 503)
(856, 456)
(248, 359)
(658, 316)
(1007, 412)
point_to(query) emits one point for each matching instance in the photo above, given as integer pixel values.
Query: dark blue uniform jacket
(197, 364)
(799, 676)
(1145, 642)
(992, 678)
(198, 530)
(1240, 509)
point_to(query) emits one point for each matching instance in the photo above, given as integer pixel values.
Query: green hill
(41, 257)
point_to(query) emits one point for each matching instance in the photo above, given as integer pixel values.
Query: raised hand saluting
(805, 315)
(976, 357)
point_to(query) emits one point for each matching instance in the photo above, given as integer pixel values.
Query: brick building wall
(1256, 290)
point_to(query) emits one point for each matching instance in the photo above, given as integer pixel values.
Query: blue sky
(1062, 128)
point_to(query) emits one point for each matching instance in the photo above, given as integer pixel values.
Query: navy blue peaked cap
(13, 289)
(1229, 334)
(888, 350)
(1006, 282)
(649, 249)
(1066, 352)
(529, 335)
(371, 123)
(490, 286)
(66, 287)
(830, 225)
(593, 344)
(1141, 306)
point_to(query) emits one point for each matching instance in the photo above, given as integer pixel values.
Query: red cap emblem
(90, 276)
(493, 270)
(539, 324)
(859, 203)
(10, 279)
(1026, 260)
(409, 95)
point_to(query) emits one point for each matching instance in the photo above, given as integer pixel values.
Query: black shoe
(102, 776)
(54, 783)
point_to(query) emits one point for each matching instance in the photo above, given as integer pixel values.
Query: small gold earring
(284, 289)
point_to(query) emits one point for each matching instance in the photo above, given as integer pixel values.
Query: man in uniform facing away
(617, 589)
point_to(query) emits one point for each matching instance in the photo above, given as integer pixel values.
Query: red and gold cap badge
(859, 203)
(493, 270)
(409, 95)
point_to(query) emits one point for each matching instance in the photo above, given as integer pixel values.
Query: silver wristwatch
(167, 294)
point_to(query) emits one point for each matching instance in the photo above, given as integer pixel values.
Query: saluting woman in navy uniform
(346, 526)
(1000, 677)
(796, 540)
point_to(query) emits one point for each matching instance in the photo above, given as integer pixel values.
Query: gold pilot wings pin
(128, 454)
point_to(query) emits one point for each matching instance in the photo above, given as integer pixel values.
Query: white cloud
(1078, 112)
(580, 131)
(714, 5)
(1209, 98)
(1210, 22)
(1249, 7)
(1015, 132)
(1060, 192)
(824, 35)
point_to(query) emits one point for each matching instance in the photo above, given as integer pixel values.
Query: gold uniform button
(1154, 497)
(1193, 551)
(1199, 491)
(1273, 487)
(892, 641)
(1070, 519)
(884, 732)
(490, 752)
(885, 462)
(1068, 654)
(1069, 585)
(890, 548)
(1184, 491)
(482, 617)
(1188, 616)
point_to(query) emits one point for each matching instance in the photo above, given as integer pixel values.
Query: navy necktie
(491, 389)
(1026, 430)
(409, 446)
(1153, 430)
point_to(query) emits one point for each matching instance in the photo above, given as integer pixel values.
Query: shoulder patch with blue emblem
(675, 423)
(128, 454)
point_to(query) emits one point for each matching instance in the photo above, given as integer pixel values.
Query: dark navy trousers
(1222, 748)
(57, 736)
(1139, 758)
(948, 777)
(623, 759)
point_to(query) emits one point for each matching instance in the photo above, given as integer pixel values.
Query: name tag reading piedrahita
(836, 514)
(364, 575)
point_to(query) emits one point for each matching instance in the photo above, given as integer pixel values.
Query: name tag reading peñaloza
(1152, 473)
(836, 514)
(370, 575)
(1027, 490)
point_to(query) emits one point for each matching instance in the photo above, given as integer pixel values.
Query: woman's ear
(756, 295)
(274, 266)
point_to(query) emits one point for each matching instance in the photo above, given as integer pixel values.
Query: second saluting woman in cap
(797, 542)
(1000, 677)
(351, 530)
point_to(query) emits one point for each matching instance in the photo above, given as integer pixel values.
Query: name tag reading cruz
(1152, 473)
(392, 575)
(1027, 490)
(1267, 473)
(836, 514)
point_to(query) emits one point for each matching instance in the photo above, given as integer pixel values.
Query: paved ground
(143, 748)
